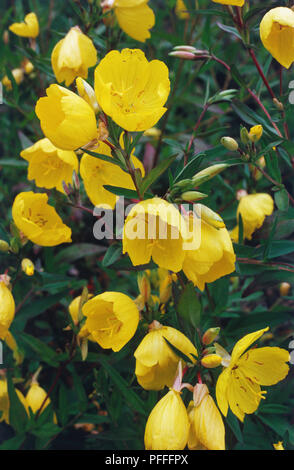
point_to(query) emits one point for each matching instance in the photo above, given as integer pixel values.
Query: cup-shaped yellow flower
(28, 29)
(134, 17)
(73, 56)
(277, 34)
(167, 427)
(131, 90)
(5, 403)
(209, 253)
(50, 166)
(207, 430)
(156, 361)
(67, 120)
(38, 221)
(111, 320)
(237, 3)
(155, 229)
(96, 173)
(253, 209)
(238, 385)
(7, 309)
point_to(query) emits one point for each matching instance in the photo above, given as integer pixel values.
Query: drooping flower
(28, 29)
(167, 427)
(207, 431)
(39, 221)
(131, 90)
(73, 56)
(253, 209)
(67, 120)
(277, 34)
(134, 17)
(156, 362)
(111, 320)
(50, 166)
(238, 385)
(7, 309)
(209, 254)
(96, 173)
(155, 229)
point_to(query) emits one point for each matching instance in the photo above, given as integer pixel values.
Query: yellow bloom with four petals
(50, 166)
(72, 56)
(238, 385)
(39, 221)
(111, 320)
(131, 90)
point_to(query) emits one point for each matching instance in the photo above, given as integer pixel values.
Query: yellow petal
(266, 366)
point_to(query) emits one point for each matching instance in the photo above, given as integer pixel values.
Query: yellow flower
(181, 10)
(66, 119)
(279, 446)
(131, 90)
(7, 309)
(277, 34)
(28, 29)
(156, 362)
(50, 166)
(155, 228)
(253, 209)
(35, 397)
(210, 255)
(4, 400)
(18, 77)
(38, 221)
(255, 133)
(28, 267)
(74, 308)
(111, 320)
(207, 431)
(238, 3)
(73, 56)
(96, 173)
(167, 427)
(134, 17)
(238, 386)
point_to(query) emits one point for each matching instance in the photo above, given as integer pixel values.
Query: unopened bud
(255, 133)
(183, 55)
(229, 143)
(209, 216)
(278, 104)
(87, 93)
(28, 267)
(165, 289)
(210, 335)
(4, 246)
(192, 196)
(144, 286)
(6, 37)
(211, 361)
(208, 173)
(244, 136)
(285, 288)
(15, 245)
(75, 181)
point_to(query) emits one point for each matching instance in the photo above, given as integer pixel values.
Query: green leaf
(112, 255)
(154, 174)
(189, 306)
(79, 250)
(18, 417)
(45, 353)
(105, 158)
(282, 199)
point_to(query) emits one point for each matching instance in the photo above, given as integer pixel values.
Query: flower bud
(165, 289)
(183, 55)
(209, 216)
(255, 133)
(4, 246)
(229, 143)
(279, 446)
(87, 93)
(144, 286)
(284, 288)
(278, 104)
(244, 135)
(211, 361)
(208, 173)
(192, 196)
(210, 335)
(28, 267)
